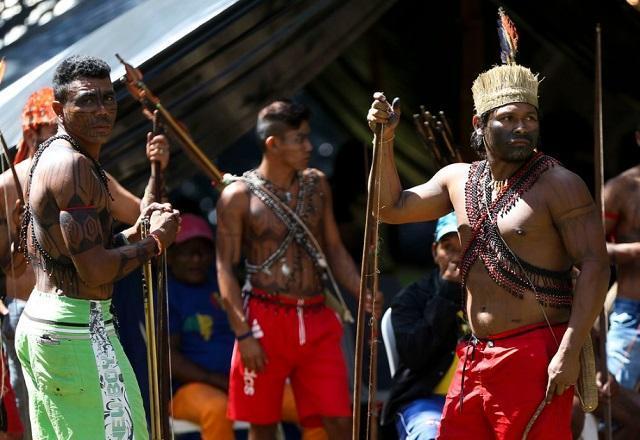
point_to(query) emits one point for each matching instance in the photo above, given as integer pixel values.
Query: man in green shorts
(80, 383)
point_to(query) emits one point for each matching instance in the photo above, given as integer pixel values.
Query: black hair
(477, 135)
(278, 117)
(74, 67)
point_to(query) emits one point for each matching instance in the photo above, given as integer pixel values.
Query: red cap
(193, 226)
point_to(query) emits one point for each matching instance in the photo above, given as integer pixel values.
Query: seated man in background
(201, 338)
(424, 317)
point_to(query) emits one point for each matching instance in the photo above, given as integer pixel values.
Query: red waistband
(520, 330)
(288, 300)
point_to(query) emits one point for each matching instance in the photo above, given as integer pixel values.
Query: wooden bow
(14, 246)
(598, 155)
(368, 284)
(5, 147)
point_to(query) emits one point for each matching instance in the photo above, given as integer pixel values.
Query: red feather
(510, 33)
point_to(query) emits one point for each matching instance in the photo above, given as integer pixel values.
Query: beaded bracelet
(244, 335)
(154, 235)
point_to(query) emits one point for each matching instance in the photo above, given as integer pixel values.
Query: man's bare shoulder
(455, 173)
(558, 178)
(564, 190)
(456, 169)
(625, 181)
(61, 155)
(235, 194)
(67, 174)
(318, 175)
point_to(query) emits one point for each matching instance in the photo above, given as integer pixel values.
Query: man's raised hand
(381, 112)
(158, 149)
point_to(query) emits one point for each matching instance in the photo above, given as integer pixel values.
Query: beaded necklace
(553, 288)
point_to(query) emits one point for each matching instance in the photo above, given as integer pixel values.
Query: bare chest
(525, 226)
(272, 221)
(628, 225)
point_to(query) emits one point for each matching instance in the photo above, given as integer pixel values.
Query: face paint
(295, 147)
(89, 112)
(512, 132)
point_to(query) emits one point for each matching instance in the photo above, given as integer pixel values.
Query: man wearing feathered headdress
(524, 222)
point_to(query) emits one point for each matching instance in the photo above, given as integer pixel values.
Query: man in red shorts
(524, 223)
(279, 216)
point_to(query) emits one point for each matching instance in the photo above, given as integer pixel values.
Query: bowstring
(165, 281)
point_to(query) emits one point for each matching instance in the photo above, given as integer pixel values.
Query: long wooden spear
(150, 103)
(598, 155)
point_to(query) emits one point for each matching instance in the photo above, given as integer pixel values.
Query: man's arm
(12, 261)
(157, 151)
(580, 226)
(341, 263)
(5, 232)
(614, 192)
(184, 370)
(126, 207)
(78, 192)
(231, 209)
(428, 201)
(422, 318)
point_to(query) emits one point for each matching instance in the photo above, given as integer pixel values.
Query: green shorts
(80, 383)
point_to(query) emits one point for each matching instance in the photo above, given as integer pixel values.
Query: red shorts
(302, 344)
(505, 380)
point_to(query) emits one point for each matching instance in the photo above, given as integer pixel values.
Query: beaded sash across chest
(506, 269)
(256, 185)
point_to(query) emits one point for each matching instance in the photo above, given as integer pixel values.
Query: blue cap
(446, 225)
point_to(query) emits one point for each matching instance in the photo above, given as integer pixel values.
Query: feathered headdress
(509, 82)
(36, 112)
(508, 36)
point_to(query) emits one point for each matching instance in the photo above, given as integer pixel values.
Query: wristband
(387, 141)
(154, 235)
(243, 336)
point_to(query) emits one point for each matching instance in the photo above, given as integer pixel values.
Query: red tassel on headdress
(37, 111)
(508, 36)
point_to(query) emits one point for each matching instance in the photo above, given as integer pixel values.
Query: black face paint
(512, 135)
(512, 147)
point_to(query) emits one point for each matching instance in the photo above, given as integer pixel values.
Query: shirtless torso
(19, 276)
(295, 272)
(554, 225)
(249, 229)
(622, 222)
(71, 222)
(532, 229)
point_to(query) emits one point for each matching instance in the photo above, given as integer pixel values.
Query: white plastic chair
(389, 339)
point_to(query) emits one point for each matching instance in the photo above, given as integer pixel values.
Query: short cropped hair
(278, 117)
(74, 67)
